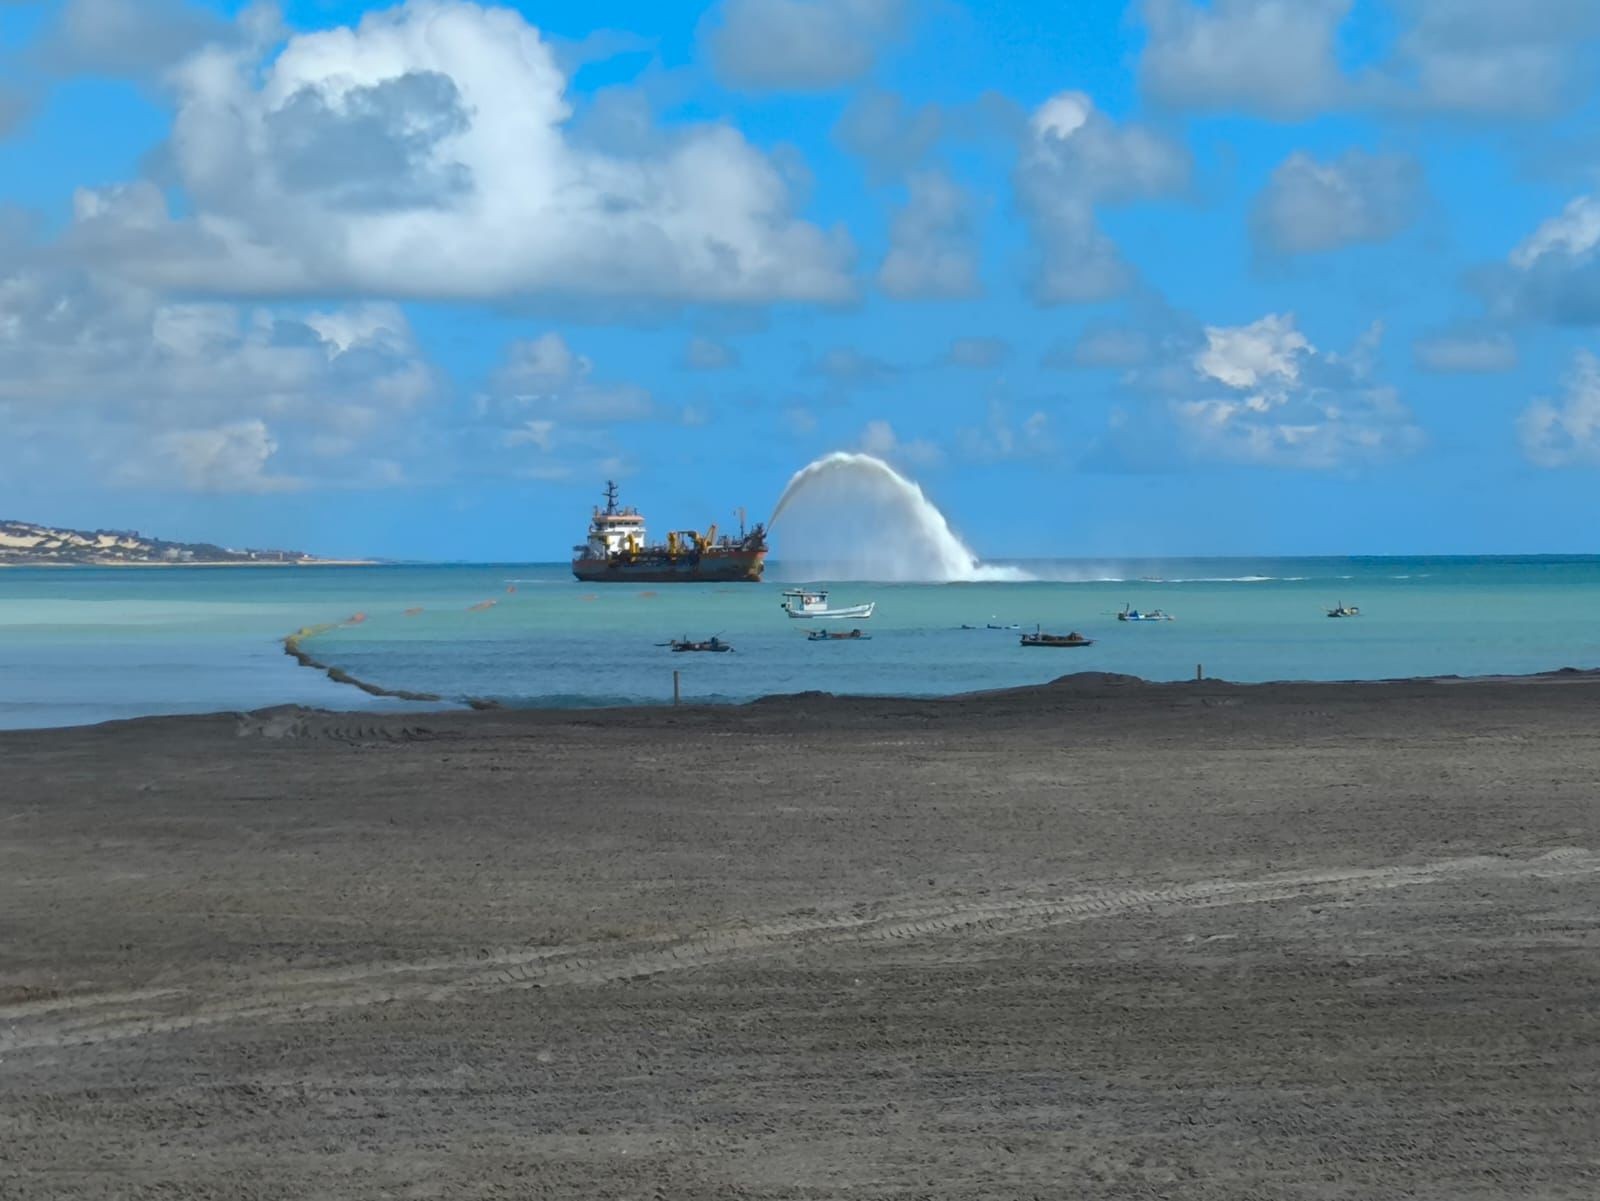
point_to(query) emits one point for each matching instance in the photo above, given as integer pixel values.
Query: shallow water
(81, 645)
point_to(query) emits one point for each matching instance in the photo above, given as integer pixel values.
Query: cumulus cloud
(888, 134)
(1073, 159)
(1479, 58)
(1262, 394)
(1273, 57)
(1465, 351)
(227, 458)
(1554, 274)
(1566, 432)
(542, 378)
(799, 45)
(137, 38)
(426, 152)
(878, 438)
(211, 397)
(1309, 206)
(1279, 58)
(933, 247)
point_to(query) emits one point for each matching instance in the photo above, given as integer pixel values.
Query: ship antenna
(611, 497)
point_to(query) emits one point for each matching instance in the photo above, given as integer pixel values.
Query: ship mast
(611, 498)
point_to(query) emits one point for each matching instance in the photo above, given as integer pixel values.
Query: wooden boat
(713, 644)
(837, 636)
(1039, 638)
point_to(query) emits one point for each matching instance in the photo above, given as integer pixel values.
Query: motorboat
(837, 636)
(813, 603)
(713, 644)
(1039, 638)
(1131, 614)
(1343, 610)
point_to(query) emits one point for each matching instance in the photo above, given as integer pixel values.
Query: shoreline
(999, 702)
(209, 563)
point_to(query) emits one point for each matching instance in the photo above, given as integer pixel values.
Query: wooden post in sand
(674, 688)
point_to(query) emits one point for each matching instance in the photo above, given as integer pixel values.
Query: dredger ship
(618, 551)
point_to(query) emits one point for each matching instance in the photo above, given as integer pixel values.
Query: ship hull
(708, 569)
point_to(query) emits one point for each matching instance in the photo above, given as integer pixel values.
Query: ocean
(80, 645)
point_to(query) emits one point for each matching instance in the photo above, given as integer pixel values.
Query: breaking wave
(855, 517)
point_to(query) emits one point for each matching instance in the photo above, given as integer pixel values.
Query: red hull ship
(617, 552)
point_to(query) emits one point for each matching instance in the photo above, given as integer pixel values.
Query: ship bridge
(612, 528)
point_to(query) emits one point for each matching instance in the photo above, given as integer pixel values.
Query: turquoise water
(83, 645)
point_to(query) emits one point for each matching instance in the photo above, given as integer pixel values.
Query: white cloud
(1476, 58)
(1566, 432)
(226, 458)
(1073, 159)
(131, 37)
(426, 153)
(800, 45)
(1309, 206)
(888, 134)
(542, 378)
(1280, 58)
(141, 390)
(1273, 57)
(1555, 273)
(1267, 352)
(1465, 351)
(878, 438)
(933, 249)
(1262, 394)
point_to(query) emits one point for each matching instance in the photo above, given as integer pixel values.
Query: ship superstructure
(619, 551)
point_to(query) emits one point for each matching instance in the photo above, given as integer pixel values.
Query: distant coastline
(28, 544)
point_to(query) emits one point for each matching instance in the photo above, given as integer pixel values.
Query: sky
(1107, 279)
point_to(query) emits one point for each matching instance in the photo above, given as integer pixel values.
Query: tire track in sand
(291, 996)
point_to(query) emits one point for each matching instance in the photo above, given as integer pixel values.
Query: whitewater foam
(858, 518)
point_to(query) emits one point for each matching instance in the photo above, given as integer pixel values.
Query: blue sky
(1161, 277)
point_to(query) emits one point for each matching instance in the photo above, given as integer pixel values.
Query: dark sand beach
(1098, 939)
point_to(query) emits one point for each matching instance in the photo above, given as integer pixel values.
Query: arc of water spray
(947, 557)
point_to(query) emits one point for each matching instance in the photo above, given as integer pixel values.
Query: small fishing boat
(813, 603)
(1039, 638)
(993, 626)
(713, 644)
(1131, 614)
(836, 636)
(1343, 610)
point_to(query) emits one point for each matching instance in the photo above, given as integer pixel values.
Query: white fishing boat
(813, 603)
